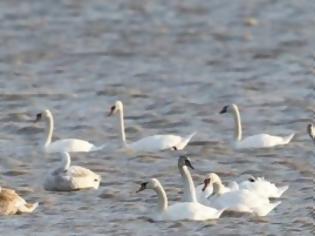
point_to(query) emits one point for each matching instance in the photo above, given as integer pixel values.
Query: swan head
(184, 161)
(228, 108)
(44, 114)
(151, 184)
(211, 178)
(311, 131)
(115, 108)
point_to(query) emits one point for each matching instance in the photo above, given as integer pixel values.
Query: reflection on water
(174, 64)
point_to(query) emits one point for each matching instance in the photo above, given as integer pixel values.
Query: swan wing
(260, 141)
(70, 145)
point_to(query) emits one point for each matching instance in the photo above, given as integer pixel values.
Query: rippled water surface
(174, 64)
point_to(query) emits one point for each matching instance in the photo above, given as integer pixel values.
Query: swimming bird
(11, 203)
(241, 200)
(62, 145)
(255, 141)
(71, 178)
(152, 143)
(258, 185)
(311, 131)
(178, 211)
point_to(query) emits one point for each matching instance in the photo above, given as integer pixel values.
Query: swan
(179, 211)
(63, 145)
(241, 200)
(255, 141)
(259, 186)
(311, 131)
(11, 203)
(263, 187)
(152, 143)
(71, 178)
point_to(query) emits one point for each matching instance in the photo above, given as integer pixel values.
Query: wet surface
(174, 64)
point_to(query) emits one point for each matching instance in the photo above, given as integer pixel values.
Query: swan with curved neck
(152, 143)
(179, 211)
(255, 141)
(11, 203)
(189, 187)
(311, 131)
(62, 145)
(71, 178)
(257, 185)
(241, 200)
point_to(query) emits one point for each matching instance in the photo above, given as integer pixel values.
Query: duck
(71, 178)
(255, 141)
(241, 200)
(179, 211)
(150, 144)
(62, 145)
(11, 203)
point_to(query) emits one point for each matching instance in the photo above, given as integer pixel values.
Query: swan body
(263, 187)
(311, 131)
(63, 145)
(179, 211)
(255, 141)
(152, 143)
(259, 186)
(241, 200)
(11, 203)
(71, 178)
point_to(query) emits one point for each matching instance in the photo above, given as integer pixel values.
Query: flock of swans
(207, 201)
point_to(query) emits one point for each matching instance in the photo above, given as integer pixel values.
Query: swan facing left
(11, 203)
(179, 211)
(62, 145)
(152, 143)
(71, 178)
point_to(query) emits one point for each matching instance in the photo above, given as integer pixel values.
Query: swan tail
(288, 138)
(28, 207)
(220, 212)
(184, 141)
(98, 148)
(282, 189)
(268, 208)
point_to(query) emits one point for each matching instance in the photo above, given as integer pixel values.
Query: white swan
(255, 141)
(11, 203)
(62, 145)
(241, 200)
(71, 178)
(259, 186)
(311, 131)
(153, 143)
(179, 211)
(263, 187)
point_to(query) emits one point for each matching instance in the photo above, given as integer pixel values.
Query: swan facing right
(11, 203)
(71, 178)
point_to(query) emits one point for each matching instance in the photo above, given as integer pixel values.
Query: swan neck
(66, 161)
(189, 187)
(218, 188)
(162, 198)
(122, 126)
(238, 125)
(49, 130)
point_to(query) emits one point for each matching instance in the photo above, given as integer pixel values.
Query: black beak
(38, 117)
(188, 163)
(111, 112)
(206, 183)
(224, 110)
(142, 187)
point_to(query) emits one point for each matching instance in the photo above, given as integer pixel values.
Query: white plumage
(153, 143)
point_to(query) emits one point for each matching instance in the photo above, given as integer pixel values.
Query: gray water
(174, 64)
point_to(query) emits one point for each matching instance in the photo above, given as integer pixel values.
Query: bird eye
(251, 179)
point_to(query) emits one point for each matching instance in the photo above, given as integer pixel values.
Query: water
(174, 64)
